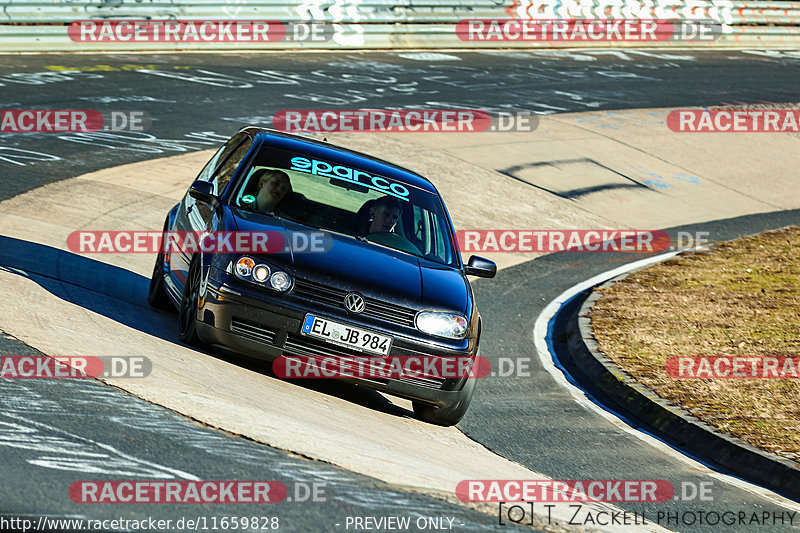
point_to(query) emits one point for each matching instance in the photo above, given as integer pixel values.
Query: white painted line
(174, 471)
(563, 378)
(428, 56)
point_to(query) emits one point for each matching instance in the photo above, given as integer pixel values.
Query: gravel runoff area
(717, 333)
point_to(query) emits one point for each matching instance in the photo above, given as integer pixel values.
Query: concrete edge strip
(667, 420)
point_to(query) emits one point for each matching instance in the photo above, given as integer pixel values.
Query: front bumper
(267, 327)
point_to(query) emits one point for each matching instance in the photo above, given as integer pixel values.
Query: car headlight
(261, 273)
(442, 324)
(280, 281)
(246, 269)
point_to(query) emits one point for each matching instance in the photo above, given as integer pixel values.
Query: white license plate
(349, 336)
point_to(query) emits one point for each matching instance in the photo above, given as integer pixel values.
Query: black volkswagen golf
(365, 268)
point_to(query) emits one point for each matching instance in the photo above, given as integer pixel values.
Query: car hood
(371, 269)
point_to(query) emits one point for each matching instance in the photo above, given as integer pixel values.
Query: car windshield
(330, 196)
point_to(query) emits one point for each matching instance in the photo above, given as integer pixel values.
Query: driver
(384, 214)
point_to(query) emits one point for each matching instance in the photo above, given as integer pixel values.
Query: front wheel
(187, 317)
(451, 413)
(157, 294)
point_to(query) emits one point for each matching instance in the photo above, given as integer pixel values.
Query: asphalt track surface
(70, 425)
(198, 100)
(540, 423)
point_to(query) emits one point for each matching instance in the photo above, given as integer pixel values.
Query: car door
(197, 216)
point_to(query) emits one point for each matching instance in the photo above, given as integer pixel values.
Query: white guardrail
(41, 25)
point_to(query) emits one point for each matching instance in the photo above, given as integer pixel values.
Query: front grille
(306, 346)
(432, 383)
(316, 292)
(253, 331)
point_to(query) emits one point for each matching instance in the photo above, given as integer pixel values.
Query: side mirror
(204, 192)
(478, 266)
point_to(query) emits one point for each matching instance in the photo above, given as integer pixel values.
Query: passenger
(273, 185)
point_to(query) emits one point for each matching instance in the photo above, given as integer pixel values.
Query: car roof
(324, 150)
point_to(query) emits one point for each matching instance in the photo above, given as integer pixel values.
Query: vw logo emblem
(354, 302)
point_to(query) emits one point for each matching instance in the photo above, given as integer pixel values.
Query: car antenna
(325, 139)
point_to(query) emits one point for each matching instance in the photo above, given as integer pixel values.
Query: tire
(450, 414)
(157, 294)
(187, 315)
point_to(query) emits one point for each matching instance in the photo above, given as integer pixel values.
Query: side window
(418, 234)
(229, 166)
(222, 153)
(442, 251)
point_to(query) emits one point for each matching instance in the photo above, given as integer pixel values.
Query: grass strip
(739, 299)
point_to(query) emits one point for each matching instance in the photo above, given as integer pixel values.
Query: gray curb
(677, 425)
